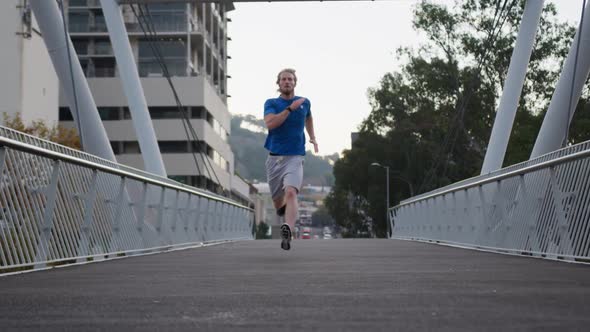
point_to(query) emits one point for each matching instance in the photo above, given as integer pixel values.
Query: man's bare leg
(289, 201)
(292, 206)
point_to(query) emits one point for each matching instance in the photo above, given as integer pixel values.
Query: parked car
(306, 235)
(327, 236)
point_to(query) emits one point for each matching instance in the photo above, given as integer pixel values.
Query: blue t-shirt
(288, 139)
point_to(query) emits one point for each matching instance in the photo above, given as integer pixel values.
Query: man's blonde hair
(287, 70)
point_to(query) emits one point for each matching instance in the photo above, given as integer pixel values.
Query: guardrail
(59, 206)
(540, 207)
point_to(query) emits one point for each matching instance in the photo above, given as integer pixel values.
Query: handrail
(539, 208)
(498, 177)
(107, 169)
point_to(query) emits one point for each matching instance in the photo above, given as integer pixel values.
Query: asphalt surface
(320, 285)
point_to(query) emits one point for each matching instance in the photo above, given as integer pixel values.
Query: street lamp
(387, 197)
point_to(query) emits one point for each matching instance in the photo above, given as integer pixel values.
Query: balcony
(84, 3)
(151, 68)
(163, 22)
(85, 27)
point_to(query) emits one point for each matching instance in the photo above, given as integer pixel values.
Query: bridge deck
(319, 285)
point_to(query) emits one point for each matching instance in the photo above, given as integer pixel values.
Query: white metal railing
(539, 207)
(59, 205)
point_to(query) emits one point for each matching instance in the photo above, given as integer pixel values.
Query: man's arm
(311, 133)
(273, 120)
(276, 120)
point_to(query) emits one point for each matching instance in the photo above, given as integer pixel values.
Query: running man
(285, 118)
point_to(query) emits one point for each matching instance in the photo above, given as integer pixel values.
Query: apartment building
(192, 39)
(29, 85)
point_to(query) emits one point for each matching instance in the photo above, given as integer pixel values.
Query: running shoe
(286, 237)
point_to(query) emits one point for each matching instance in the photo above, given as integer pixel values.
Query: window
(77, 3)
(198, 146)
(217, 128)
(103, 47)
(198, 181)
(152, 68)
(131, 147)
(173, 146)
(198, 112)
(210, 151)
(180, 178)
(100, 24)
(177, 7)
(104, 67)
(224, 135)
(168, 49)
(108, 113)
(210, 118)
(65, 114)
(165, 113)
(84, 65)
(78, 21)
(173, 52)
(81, 46)
(126, 113)
(220, 161)
(216, 158)
(116, 147)
(169, 17)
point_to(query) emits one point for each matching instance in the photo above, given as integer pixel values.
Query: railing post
(222, 218)
(116, 226)
(564, 240)
(531, 222)
(161, 207)
(390, 220)
(225, 215)
(499, 204)
(230, 220)
(47, 227)
(203, 219)
(454, 218)
(2, 158)
(469, 215)
(175, 213)
(5, 257)
(87, 222)
(484, 210)
(187, 212)
(141, 207)
(215, 213)
(220, 211)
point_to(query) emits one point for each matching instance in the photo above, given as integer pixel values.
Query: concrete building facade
(29, 85)
(192, 39)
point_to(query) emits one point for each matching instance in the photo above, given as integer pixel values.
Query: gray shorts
(283, 171)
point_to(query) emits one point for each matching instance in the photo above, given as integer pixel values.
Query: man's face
(286, 83)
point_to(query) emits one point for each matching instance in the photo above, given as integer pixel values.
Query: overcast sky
(339, 50)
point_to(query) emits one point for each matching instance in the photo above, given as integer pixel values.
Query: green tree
(321, 217)
(431, 118)
(262, 231)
